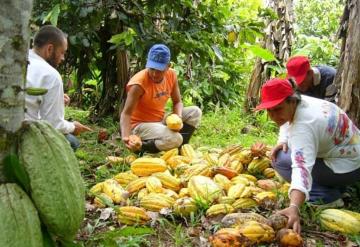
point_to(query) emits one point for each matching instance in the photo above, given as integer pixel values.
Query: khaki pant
(165, 138)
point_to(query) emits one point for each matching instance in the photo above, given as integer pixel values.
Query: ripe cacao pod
(289, 238)
(131, 215)
(339, 221)
(229, 237)
(174, 122)
(184, 206)
(156, 201)
(153, 184)
(168, 181)
(258, 165)
(203, 189)
(124, 178)
(188, 151)
(144, 167)
(217, 209)
(170, 153)
(257, 232)
(239, 219)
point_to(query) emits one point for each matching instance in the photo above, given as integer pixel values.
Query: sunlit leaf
(53, 15)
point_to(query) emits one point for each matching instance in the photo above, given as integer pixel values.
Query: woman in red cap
(324, 144)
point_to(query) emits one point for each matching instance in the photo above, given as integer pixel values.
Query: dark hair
(296, 95)
(49, 35)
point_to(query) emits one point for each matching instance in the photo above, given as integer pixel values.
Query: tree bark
(348, 73)
(278, 39)
(14, 43)
(115, 75)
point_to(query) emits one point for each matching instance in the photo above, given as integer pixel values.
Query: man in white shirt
(50, 45)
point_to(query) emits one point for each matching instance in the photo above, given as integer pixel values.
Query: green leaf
(53, 15)
(16, 172)
(265, 54)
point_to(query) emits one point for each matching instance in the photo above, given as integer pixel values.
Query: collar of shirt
(317, 76)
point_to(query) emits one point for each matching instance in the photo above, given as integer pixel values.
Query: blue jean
(327, 185)
(74, 142)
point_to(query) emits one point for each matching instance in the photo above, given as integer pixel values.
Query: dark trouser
(327, 185)
(74, 142)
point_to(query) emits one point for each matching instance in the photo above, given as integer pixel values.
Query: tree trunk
(278, 39)
(14, 43)
(348, 73)
(115, 75)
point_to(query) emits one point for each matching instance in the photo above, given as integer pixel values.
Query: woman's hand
(277, 148)
(293, 214)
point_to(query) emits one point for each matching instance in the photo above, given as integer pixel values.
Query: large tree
(14, 39)
(278, 40)
(348, 73)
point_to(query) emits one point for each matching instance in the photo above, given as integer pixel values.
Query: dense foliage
(213, 43)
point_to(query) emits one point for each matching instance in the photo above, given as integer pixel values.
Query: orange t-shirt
(151, 105)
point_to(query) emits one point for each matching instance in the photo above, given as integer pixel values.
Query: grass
(218, 129)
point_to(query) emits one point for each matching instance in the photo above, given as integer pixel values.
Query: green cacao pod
(56, 185)
(20, 224)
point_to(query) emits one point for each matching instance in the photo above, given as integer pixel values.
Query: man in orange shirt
(144, 110)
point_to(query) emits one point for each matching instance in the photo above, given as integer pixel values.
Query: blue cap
(158, 57)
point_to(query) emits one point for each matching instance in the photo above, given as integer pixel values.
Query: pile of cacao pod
(49, 205)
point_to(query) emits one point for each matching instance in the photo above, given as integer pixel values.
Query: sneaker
(339, 203)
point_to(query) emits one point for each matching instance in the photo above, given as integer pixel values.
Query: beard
(52, 60)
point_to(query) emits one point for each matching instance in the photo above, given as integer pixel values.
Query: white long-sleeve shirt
(320, 129)
(49, 107)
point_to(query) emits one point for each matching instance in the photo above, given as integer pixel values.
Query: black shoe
(148, 146)
(186, 132)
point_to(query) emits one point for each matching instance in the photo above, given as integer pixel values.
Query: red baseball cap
(273, 92)
(298, 67)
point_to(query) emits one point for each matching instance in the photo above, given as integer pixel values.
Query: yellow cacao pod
(204, 189)
(217, 209)
(156, 201)
(131, 215)
(171, 193)
(153, 184)
(244, 203)
(184, 206)
(97, 188)
(245, 156)
(258, 165)
(195, 170)
(113, 160)
(176, 160)
(124, 178)
(184, 192)
(168, 181)
(237, 166)
(267, 184)
(249, 177)
(339, 221)
(211, 159)
(226, 200)
(257, 232)
(143, 192)
(269, 172)
(114, 191)
(170, 153)
(236, 190)
(222, 181)
(174, 122)
(231, 150)
(144, 167)
(136, 185)
(188, 151)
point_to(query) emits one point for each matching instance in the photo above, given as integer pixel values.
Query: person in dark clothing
(317, 81)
